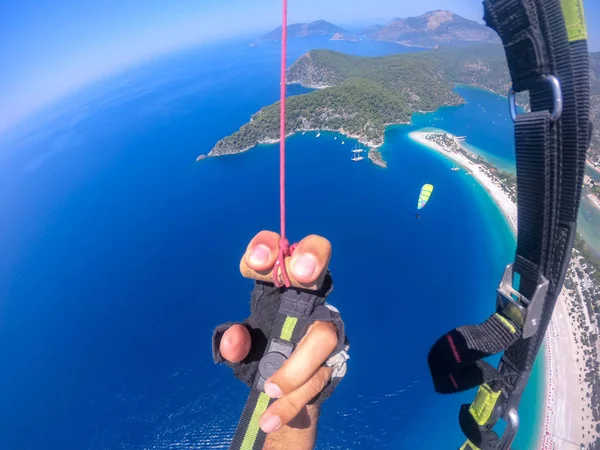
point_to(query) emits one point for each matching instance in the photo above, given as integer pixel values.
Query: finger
(235, 343)
(262, 251)
(286, 408)
(312, 351)
(310, 258)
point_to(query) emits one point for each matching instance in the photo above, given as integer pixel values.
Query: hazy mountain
(432, 28)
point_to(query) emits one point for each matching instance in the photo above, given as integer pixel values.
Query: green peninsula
(360, 96)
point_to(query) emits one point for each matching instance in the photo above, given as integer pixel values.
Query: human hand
(304, 375)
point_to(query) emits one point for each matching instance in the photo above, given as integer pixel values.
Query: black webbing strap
(455, 359)
(548, 176)
(290, 324)
(551, 143)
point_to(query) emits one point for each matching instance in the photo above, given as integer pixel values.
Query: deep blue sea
(120, 254)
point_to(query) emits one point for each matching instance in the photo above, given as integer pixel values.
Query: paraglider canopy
(426, 191)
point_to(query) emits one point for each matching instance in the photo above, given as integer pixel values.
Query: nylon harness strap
(546, 50)
(288, 329)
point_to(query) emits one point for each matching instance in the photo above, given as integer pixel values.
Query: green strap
(251, 434)
(253, 428)
(469, 446)
(484, 403)
(574, 19)
(288, 328)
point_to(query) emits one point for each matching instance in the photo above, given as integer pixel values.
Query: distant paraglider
(426, 191)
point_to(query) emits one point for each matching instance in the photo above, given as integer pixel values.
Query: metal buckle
(523, 311)
(557, 99)
(511, 417)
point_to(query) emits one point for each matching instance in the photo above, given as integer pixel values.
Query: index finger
(312, 351)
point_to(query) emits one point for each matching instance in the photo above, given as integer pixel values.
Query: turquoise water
(483, 120)
(588, 224)
(121, 254)
(489, 131)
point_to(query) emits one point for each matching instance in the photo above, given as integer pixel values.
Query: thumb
(262, 251)
(235, 343)
(310, 258)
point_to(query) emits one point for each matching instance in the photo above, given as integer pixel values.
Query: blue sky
(53, 47)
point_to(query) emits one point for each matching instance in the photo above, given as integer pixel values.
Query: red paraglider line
(284, 246)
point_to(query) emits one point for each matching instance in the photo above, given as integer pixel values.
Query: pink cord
(284, 246)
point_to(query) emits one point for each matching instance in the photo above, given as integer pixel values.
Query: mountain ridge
(432, 28)
(428, 30)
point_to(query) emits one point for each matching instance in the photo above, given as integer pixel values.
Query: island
(301, 30)
(376, 158)
(572, 388)
(360, 96)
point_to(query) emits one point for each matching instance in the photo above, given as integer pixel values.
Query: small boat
(318, 134)
(335, 138)
(343, 142)
(303, 133)
(455, 168)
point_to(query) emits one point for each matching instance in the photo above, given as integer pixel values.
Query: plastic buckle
(557, 99)
(523, 311)
(276, 354)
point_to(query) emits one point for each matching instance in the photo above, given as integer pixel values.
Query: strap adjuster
(277, 353)
(557, 99)
(525, 312)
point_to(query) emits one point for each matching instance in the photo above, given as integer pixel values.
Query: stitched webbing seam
(507, 323)
(484, 403)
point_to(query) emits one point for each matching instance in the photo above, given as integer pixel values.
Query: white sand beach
(501, 198)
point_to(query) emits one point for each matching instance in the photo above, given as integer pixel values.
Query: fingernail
(260, 254)
(305, 265)
(272, 390)
(270, 424)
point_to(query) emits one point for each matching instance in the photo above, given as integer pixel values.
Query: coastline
(375, 155)
(591, 166)
(500, 198)
(595, 201)
(565, 412)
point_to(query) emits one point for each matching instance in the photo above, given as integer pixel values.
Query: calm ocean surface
(120, 254)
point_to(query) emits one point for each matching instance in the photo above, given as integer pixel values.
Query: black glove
(265, 303)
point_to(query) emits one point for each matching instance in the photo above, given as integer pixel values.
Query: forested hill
(360, 95)
(432, 73)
